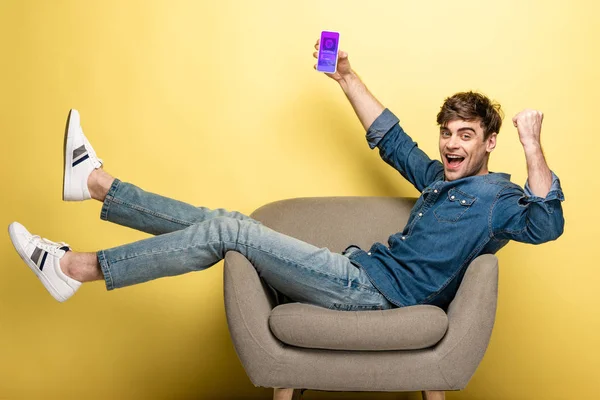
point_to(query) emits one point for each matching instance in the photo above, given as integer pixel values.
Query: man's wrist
(348, 80)
(532, 147)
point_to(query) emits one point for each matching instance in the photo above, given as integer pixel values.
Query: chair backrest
(337, 222)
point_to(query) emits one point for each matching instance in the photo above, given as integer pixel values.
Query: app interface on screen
(328, 52)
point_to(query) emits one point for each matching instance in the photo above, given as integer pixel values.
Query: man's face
(463, 150)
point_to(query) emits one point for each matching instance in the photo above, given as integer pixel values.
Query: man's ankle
(65, 264)
(99, 183)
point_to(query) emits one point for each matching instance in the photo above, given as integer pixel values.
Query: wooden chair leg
(433, 395)
(287, 394)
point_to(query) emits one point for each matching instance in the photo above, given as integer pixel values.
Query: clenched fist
(529, 126)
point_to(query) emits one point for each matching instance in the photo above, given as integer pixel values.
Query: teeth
(452, 156)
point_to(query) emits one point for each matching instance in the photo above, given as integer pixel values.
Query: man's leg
(128, 205)
(299, 270)
(123, 203)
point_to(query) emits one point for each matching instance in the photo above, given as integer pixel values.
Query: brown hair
(471, 106)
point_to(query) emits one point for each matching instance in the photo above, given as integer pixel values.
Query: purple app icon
(328, 52)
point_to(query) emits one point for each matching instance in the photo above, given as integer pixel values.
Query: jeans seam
(332, 277)
(356, 307)
(151, 212)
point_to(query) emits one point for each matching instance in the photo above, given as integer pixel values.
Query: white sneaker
(80, 161)
(43, 258)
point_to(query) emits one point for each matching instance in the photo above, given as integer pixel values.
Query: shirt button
(463, 201)
(403, 237)
(369, 253)
(435, 191)
(451, 197)
(420, 214)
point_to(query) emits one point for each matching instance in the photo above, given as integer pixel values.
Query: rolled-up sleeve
(520, 215)
(380, 127)
(398, 150)
(555, 193)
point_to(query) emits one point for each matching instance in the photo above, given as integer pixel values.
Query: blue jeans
(192, 238)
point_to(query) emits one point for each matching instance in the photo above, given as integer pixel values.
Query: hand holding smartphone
(328, 52)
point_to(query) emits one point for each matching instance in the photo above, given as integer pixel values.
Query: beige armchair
(299, 346)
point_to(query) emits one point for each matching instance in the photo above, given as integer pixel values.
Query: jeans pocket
(355, 307)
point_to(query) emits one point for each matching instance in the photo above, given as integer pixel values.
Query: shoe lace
(48, 245)
(90, 149)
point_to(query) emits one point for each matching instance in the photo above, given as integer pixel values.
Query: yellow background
(216, 103)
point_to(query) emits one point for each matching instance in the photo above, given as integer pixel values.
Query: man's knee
(225, 222)
(243, 217)
(226, 229)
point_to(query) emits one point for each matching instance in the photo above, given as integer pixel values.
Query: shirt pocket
(453, 206)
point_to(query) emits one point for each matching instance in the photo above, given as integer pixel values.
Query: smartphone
(328, 52)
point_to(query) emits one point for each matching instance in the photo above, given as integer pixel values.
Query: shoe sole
(47, 284)
(67, 156)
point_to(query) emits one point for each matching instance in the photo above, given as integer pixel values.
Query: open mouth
(453, 161)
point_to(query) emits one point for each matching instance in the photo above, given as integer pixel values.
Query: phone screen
(328, 52)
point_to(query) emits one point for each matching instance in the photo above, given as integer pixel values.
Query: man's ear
(491, 142)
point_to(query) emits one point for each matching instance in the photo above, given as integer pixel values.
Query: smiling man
(464, 209)
(464, 144)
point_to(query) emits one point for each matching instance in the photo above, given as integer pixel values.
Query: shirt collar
(490, 176)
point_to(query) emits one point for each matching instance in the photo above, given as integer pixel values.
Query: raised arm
(366, 106)
(535, 215)
(383, 129)
(529, 125)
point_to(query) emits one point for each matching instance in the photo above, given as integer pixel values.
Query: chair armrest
(471, 318)
(249, 302)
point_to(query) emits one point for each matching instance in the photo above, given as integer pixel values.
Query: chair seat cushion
(405, 328)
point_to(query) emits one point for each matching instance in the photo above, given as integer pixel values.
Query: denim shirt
(450, 224)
